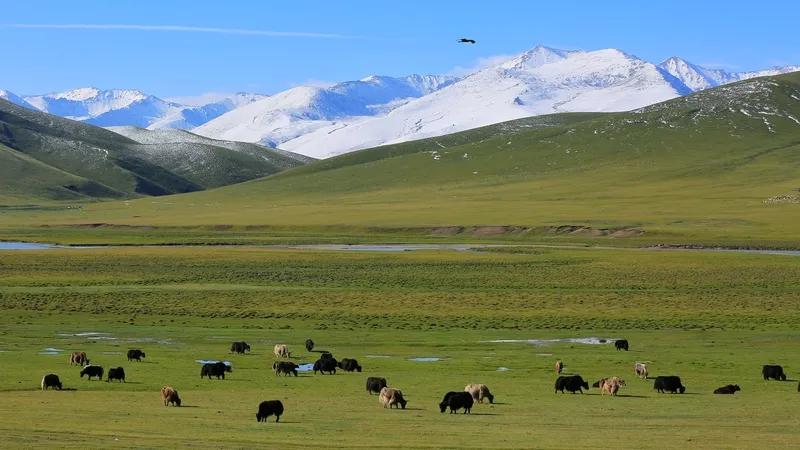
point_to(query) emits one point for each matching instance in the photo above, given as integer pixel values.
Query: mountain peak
(535, 57)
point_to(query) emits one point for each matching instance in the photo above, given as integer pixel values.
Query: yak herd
(388, 397)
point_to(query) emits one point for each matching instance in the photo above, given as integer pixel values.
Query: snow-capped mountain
(699, 78)
(202, 109)
(695, 77)
(301, 110)
(14, 98)
(540, 81)
(117, 107)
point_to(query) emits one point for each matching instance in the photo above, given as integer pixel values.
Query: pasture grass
(711, 318)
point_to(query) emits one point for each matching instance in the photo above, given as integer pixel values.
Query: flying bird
(466, 41)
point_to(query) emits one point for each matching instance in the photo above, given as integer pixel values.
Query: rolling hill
(65, 159)
(718, 165)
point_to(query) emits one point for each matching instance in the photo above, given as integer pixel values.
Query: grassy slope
(122, 165)
(695, 169)
(711, 318)
(26, 180)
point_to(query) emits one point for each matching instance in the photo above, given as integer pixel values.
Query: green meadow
(712, 318)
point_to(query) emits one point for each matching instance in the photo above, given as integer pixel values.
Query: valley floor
(711, 318)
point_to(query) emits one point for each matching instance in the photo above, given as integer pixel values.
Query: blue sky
(172, 48)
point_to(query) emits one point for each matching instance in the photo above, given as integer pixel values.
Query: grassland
(712, 318)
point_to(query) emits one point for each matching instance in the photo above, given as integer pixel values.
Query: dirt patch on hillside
(102, 225)
(446, 231)
(500, 230)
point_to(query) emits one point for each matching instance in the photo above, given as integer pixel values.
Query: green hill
(68, 160)
(718, 166)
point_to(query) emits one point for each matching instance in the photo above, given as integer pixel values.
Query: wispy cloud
(480, 63)
(180, 29)
(720, 65)
(313, 82)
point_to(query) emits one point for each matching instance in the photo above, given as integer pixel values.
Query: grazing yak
(216, 369)
(170, 395)
(479, 392)
(135, 355)
(78, 359)
(729, 389)
(240, 347)
(51, 380)
(325, 365)
(116, 373)
(641, 370)
(390, 397)
(309, 345)
(375, 384)
(572, 383)
(92, 371)
(281, 351)
(326, 355)
(559, 366)
(456, 401)
(349, 365)
(621, 344)
(670, 384)
(611, 386)
(285, 368)
(773, 372)
(269, 408)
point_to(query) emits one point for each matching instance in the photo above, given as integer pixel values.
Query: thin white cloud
(720, 65)
(180, 29)
(480, 63)
(313, 82)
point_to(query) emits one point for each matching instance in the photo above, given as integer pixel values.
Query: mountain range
(717, 166)
(379, 110)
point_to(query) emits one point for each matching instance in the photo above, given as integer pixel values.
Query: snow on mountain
(699, 78)
(766, 73)
(301, 110)
(235, 100)
(695, 77)
(202, 109)
(540, 81)
(14, 98)
(118, 107)
(166, 136)
(104, 107)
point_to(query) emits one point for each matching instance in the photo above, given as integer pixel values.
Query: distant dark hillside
(46, 157)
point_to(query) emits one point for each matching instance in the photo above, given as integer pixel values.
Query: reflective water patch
(51, 351)
(541, 342)
(24, 246)
(305, 367)
(425, 359)
(213, 361)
